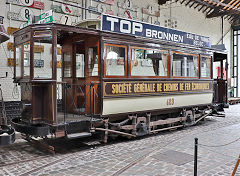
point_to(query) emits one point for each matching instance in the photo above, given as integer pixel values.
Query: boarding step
(78, 135)
(78, 127)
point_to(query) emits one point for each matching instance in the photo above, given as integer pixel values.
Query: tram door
(81, 73)
(92, 72)
(220, 78)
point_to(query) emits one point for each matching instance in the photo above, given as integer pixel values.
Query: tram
(128, 79)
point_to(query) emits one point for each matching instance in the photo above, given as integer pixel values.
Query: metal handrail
(3, 109)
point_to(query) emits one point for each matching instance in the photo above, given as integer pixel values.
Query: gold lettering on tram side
(124, 88)
(154, 87)
(170, 87)
(144, 88)
(159, 87)
(181, 86)
(187, 86)
(200, 86)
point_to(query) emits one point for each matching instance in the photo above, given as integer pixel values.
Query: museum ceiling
(228, 9)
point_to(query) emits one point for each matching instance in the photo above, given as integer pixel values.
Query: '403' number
(170, 101)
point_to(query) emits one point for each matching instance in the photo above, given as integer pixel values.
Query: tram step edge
(78, 135)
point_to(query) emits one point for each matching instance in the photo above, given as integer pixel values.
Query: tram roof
(105, 34)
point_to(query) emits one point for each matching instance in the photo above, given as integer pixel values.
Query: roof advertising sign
(136, 28)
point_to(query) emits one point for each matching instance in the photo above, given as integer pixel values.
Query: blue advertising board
(136, 28)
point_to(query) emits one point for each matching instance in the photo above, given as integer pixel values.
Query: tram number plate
(170, 101)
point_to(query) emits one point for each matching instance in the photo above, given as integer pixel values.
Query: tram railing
(220, 88)
(215, 92)
(76, 101)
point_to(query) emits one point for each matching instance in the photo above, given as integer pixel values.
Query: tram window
(148, 62)
(205, 67)
(93, 61)
(79, 65)
(59, 63)
(26, 60)
(67, 65)
(43, 58)
(115, 60)
(18, 61)
(216, 70)
(184, 65)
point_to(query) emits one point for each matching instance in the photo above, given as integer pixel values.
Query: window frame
(211, 65)
(20, 62)
(125, 61)
(33, 57)
(144, 48)
(184, 53)
(35, 36)
(64, 65)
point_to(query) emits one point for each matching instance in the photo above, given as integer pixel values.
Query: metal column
(236, 49)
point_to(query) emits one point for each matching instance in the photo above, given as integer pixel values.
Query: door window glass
(205, 67)
(67, 73)
(93, 61)
(79, 65)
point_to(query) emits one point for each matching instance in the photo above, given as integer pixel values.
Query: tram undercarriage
(130, 127)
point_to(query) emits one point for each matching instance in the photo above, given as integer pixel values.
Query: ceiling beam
(222, 13)
(192, 4)
(228, 4)
(206, 9)
(201, 8)
(196, 6)
(188, 2)
(220, 3)
(211, 10)
(215, 13)
(233, 4)
(182, 2)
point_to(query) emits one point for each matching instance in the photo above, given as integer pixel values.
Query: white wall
(187, 19)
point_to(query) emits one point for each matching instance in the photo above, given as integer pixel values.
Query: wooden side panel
(44, 103)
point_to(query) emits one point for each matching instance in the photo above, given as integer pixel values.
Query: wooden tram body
(104, 84)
